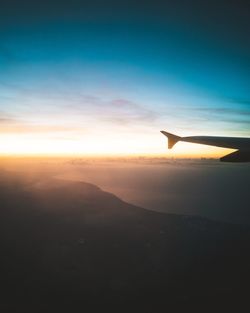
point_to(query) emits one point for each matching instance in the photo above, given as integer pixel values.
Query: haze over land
(68, 245)
(206, 188)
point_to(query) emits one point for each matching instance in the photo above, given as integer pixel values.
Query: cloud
(113, 109)
(225, 111)
(228, 115)
(70, 104)
(31, 129)
(129, 111)
(15, 125)
(240, 101)
(214, 120)
(5, 120)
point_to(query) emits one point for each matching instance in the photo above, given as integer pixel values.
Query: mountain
(71, 247)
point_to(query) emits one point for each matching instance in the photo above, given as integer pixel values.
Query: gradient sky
(104, 77)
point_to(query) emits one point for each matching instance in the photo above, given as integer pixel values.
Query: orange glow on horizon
(104, 146)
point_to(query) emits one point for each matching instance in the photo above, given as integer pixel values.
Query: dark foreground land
(71, 247)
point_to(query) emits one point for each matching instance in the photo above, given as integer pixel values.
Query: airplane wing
(240, 143)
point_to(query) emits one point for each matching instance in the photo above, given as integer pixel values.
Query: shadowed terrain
(69, 247)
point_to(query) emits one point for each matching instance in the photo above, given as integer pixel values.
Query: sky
(104, 77)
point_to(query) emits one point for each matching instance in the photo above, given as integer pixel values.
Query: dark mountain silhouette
(71, 247)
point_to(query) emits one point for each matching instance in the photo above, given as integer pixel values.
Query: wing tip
(172, 139)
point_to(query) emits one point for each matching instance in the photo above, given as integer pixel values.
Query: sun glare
(102, 145)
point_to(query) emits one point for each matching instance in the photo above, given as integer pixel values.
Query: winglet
(172, 139)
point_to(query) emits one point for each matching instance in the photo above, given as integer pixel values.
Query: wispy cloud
(225, 111)
(18, 125)
(74, 104)
(18, 128)
(240, 101)
(5, 120)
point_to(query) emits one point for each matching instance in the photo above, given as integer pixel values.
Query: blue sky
(79, 74)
